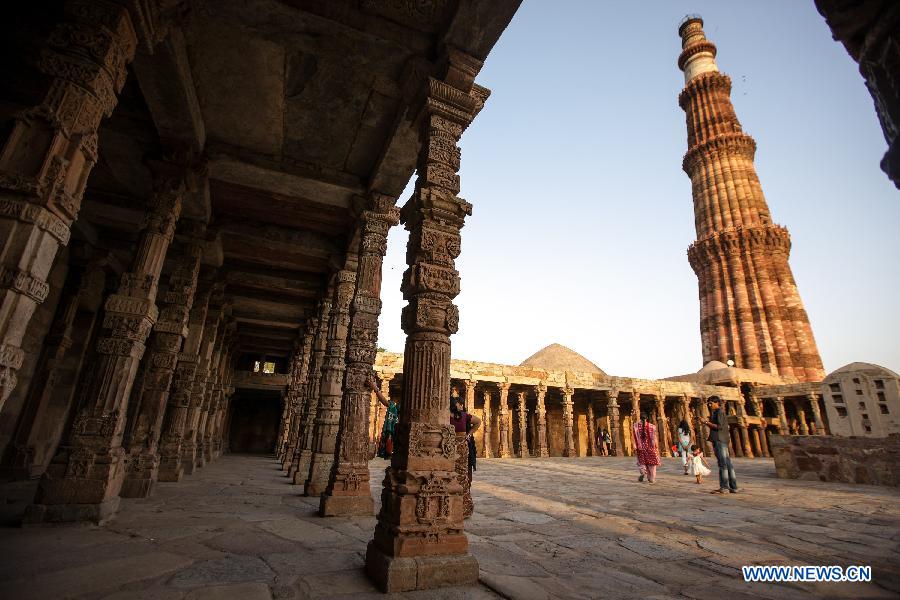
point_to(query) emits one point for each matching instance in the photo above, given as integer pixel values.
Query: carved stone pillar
(616, 444)
(568, 422)
(591, 429)
(291, 404)
(662, 425)
(169, 333)
(635, 407)
(703, 415)
(419, 540)
(816, 413)
(380, 411)
(84, 478)
(348, 491)
(297, 394)
(782, 415)
(522, 450)
(486, 420)
(327, 421)
(503, 420)
(801, 418)
(764, 442)
(542, 449)
(225, 391)
(742, 427)
(299, 471)
(211, 394)
(49, 152)
(688, 416)
(40, 410)
(213, 327)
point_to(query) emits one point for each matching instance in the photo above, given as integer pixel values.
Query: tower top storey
(698, 54)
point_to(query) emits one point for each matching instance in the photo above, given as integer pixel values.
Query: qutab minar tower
(750, 309)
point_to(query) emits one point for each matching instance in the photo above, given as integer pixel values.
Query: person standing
(465, 424)
(391, 416)
(646, 448)
(684, 444)
(718, 435)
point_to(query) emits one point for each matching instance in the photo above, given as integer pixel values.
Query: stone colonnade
(543, 419)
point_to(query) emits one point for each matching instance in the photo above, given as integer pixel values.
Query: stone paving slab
(543, 529)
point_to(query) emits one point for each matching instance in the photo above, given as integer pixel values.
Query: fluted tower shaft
(750, 309)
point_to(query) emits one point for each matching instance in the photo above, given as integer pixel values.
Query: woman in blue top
(386, 441)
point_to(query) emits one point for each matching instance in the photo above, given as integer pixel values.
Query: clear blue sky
(582, 214)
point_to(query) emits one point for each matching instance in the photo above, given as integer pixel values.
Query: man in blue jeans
(718, 435)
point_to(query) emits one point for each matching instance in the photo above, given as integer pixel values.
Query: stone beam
(168, 87)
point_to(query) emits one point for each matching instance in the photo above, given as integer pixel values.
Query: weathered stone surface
(871, 461)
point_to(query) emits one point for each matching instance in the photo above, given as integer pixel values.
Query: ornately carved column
(331, 392)
(591, 429)
(662, 425)
(688, 416)
(522, 450)
(298, 393)
(299, 471)
(801, 418)
(486, 424)
(348, 491)
(213, 327)
(48, 153)
(782, 416)
(743, 431)
(543, 449)
(816, 413)
(568, 422)
(616, 445)
(419, 540)
(84, 478)
(291, 403)
(169, 332)
(503, 420)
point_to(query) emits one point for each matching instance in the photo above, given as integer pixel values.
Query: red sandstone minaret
(750, 310)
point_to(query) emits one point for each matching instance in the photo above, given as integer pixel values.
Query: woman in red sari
(646, 448)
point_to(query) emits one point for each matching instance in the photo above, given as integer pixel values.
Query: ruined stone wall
(874, 461)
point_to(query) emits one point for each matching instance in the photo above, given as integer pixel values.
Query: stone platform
(543, 528)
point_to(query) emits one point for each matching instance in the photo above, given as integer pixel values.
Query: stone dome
(713, 365)
(868, 368)
(557, 357)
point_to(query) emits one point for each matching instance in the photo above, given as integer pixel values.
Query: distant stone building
(863, 399)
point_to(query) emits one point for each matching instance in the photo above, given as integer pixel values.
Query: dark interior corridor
(254, 421)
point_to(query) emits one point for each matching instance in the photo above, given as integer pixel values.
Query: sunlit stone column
(743, 428)
(542, 449)
(782, 415)
(299, 471)
(688, 416)
(419, 540)
(662, 424)
(328, 415)
(522, 450)
(816, 413)
(616, 441)
(48, 152)
(703, 415)
(83, 481)
(169, 333)
(503, 420)
(591, 429)
(486, 420)
(568, 422)
(801, 417)
(380, 411)
(348, 491)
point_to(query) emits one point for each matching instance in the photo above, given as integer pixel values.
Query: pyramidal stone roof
(557, 357)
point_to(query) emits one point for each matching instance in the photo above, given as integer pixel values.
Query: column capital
(503, 386)
(540, 388)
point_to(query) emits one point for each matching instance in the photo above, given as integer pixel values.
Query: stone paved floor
(550, 528)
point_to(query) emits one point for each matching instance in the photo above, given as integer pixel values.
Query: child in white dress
(699, 466)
